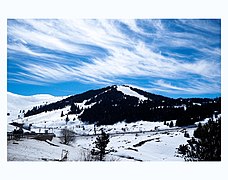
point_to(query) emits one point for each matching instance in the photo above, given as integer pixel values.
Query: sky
(170, 57)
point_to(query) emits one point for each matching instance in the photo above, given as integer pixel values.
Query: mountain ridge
(116, 103)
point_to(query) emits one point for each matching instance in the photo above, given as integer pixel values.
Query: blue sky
(171, 57)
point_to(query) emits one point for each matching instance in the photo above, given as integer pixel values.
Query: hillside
(114, 104)
(17, 105)
(131, 139)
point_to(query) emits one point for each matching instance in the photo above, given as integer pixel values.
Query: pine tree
(67, 119)
(101, 143)
(171, 124)
(206, 145)
(73, 109)
(62, 114)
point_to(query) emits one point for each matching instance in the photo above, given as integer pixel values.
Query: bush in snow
(86, 156)
(186, 134)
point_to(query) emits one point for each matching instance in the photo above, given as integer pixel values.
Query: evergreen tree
(206, 145)
(171, 124)
(73, 109)
(100, 145)
(198, 132)
(67, 119)
(62, 114)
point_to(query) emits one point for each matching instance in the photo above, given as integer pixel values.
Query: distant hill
(113, 104)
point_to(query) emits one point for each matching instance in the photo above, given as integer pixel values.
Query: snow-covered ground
(138, 141)
(17, 104)
(150, 146)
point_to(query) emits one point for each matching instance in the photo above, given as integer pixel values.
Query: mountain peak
(127, 90)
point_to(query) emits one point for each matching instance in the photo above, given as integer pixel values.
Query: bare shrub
(67, 136)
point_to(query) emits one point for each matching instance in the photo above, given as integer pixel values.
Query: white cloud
(123, 57)
(190, 87)
(20, 48)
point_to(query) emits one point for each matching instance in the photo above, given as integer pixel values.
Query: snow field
(128, 91)
(157, 146)
(138, 141)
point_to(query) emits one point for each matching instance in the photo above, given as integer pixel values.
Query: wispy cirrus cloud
(192, 87)
(107, 51)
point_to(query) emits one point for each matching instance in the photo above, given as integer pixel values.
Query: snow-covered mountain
(126, 113)
(110, 101)
(123, 141)
(106, 106)
(17, 105)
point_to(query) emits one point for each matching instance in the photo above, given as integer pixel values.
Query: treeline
(195, 113)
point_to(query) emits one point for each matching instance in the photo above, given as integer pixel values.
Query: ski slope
(127, 91)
